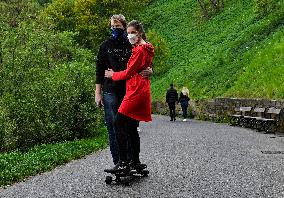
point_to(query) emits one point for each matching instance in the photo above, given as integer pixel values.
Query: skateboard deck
(126, 178)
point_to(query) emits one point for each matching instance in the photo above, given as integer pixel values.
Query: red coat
(136, 103)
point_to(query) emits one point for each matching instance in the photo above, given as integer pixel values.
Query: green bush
(47, 106)
(265, 7)
(47, 87)
(90, 19)
(161, 53)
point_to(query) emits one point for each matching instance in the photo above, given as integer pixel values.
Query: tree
(89, 18)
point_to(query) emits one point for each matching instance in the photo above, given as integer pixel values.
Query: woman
(183, 99)
(136, 104)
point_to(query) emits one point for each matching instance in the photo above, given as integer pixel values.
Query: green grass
(264, 75)
(218, 57)
(16, 166)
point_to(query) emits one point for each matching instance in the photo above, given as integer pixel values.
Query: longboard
(124, 178)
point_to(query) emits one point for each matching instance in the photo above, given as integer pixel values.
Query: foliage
(266, 7)
(47, 81)
(267, 66)
(90, 18)
(44, 2)
(210, 7)
(161, 52)
(16, 166)
(213, 57)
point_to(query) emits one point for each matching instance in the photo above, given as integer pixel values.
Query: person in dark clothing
(183, 100)
(136, 104)
(171, 99)
(114, 54)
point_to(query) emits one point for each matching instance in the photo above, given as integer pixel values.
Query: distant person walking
(171, 99)
(183, 100)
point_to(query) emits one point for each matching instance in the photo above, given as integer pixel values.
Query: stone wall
(226, 106)
(219, 107)
(163, 109)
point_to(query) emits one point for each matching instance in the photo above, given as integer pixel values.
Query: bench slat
(245, 109)
(274, 111)
(259, 110)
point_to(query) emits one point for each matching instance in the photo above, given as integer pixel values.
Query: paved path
(185, 159)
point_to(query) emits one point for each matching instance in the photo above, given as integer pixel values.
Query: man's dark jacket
(172, 96)
(113, 54)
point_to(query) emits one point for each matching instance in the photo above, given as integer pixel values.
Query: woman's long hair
(185, 91)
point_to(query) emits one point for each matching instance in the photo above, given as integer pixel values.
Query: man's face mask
(117, 33)
(133, 38)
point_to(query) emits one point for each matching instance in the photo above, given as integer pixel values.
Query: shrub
(161, 52)
(265, 7)
(90, 18)
(46, 90)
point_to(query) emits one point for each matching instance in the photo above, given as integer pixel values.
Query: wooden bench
(240, 113)
(272, 119)
(257, 119)
(262, 119)
(235, 118)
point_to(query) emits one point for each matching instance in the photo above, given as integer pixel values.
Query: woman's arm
(132, 67)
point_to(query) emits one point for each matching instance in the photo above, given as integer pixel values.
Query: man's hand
(99, 99)
(98, 95)
(108, 73)
(147, 72)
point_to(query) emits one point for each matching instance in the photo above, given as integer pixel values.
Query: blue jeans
(184, 106)
(111, 105)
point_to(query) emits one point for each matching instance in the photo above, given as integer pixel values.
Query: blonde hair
(120, 18)
(185, 91)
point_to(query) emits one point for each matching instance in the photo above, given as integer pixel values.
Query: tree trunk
(221, 4)
(203, 8)
(214, 4)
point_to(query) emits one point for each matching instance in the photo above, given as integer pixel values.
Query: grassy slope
(232, 54)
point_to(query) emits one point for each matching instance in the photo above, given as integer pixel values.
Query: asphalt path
(185, 159)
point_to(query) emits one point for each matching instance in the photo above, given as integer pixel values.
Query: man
(114, 54)
(171, 99)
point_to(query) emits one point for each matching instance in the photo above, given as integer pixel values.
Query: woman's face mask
(133, 38)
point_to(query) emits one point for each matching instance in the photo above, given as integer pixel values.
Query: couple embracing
(123, 87)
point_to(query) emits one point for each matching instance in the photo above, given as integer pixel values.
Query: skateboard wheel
(117, 179)
(108, 179)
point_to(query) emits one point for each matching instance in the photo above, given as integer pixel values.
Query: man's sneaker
(138, 129)
(120, 167)
(184, 120)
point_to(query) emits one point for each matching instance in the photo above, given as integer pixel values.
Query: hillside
(234, 54)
